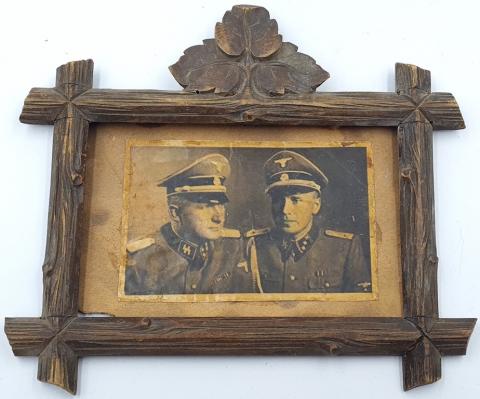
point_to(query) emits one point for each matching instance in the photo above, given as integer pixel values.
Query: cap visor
(209, 197)
(294, 185)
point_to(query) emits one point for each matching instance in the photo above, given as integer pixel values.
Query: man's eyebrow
(296, 198)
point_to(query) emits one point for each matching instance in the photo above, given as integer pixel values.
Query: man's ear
(317, 204)
(173, 211)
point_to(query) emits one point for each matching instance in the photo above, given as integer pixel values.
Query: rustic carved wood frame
(248, 76)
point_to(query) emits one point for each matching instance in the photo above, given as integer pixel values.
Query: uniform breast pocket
(325, 282)
(333, 282)
(316, 283)
(221, 282)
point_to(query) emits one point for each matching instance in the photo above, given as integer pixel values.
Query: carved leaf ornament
(247, 53)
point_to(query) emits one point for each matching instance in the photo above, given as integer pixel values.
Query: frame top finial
(247, 55)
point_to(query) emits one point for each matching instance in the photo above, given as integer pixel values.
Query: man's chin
(289, 230)
(213, 234)
(288, 227)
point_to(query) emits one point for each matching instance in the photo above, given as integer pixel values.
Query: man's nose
(217, 214)
(287, 205)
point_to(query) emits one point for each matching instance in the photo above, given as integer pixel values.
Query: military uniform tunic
(323, 261)
(166, 264)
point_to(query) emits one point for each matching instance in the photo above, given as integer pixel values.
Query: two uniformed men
(196, 254)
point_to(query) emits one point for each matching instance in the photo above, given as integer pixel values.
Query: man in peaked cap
(298, 255)
(194, 253)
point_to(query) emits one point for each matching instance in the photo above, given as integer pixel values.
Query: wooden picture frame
(254, 79)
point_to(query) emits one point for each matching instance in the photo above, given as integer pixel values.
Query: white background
(132, 44)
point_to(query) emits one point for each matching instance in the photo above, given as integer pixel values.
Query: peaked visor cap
(203, 178)
(291, 169)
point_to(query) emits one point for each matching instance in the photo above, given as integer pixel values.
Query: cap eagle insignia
(283, 161)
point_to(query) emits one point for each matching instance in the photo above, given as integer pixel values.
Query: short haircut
(176, 200)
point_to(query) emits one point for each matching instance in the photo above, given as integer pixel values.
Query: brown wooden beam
(42, 106)
(422, 365)
(61, 269)
(237, 336)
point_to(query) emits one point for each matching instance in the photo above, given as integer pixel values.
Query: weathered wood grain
(422, 365)
(28, 336)
(239, 336)
(315, 109)
(61, 266)
(417, 210)
(450, 336)
(61, 269)
(417, 218)
(58, 365)
(43, 106)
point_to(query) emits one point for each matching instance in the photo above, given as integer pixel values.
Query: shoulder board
(257, 232)
(231, 233)
(338, 234)
(137, 245)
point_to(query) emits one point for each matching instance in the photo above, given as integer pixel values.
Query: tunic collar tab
(189, 250)
(295, 248)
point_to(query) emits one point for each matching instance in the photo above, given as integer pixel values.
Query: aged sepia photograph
(247, 221)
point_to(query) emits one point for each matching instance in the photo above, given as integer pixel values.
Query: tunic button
(292, 277)
(194, 286)
(327, 284)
